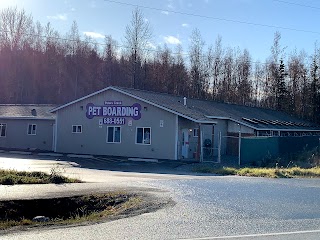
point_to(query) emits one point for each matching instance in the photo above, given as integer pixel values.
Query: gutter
(262, 129)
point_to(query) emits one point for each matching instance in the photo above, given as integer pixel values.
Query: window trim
(5, 132)
(113, 134)
(35, 131)
(76, 128)
(143, 136)
(195, 130)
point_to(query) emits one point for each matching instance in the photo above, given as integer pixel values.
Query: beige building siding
(235, 128)
(93, 139)
(221, 127)
(17, 134)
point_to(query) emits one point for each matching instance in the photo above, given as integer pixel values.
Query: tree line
(40, 65)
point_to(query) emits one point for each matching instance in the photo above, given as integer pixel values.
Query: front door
(185, 143)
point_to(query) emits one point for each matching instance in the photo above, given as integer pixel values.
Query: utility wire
(79, 40)
(297, 4)
(214, 18)
(183, 55)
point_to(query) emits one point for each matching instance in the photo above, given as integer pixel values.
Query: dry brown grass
(263, 172)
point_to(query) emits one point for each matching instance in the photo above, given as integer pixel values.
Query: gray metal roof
(33, 111)
(206, 110)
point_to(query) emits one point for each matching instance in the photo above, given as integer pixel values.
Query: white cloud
(170, 4)
(185, 25)
(62, 17)
(73, 9)
(93, 34)
(165, 12)
(151, 45)
(172, 40)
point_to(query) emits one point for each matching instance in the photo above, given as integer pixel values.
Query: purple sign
(114, 112)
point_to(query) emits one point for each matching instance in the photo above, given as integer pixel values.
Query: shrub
(8, 180)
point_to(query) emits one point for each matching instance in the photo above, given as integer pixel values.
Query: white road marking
(254, 235)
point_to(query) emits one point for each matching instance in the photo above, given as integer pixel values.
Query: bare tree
(180, 75)
(198, 65)
(244, 86)
(137, 37)
(258, 83)
(277, 74)
(315, 88)
(226, 87)
(215, 56)
(16, 28)
(110, 61)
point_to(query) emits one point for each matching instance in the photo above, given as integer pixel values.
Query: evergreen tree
(282, 94)
(315, 92)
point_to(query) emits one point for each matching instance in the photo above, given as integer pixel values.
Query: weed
(11, 177)
(264, 172)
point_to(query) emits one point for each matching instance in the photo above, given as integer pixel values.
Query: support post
(239, 145)
(201, 142)
(219, 148)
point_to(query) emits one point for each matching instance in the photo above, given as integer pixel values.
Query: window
(195, 132)
(32, 128)
(76, 128)
(143, 135)
(114, 135)
(3, 129)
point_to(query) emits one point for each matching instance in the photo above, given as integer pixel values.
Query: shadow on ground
(121, 164)
(177, 167)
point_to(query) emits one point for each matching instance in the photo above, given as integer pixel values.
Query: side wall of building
(17, 134)
(221, 127)
(235, 128)
(93, 139)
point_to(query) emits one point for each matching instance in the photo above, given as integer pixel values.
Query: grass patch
(263, 172)
(11, 177)
(67, 210)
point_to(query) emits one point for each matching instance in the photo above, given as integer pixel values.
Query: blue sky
(104, 17)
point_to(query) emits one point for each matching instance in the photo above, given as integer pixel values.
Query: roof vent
(185, 101)
(34, 112)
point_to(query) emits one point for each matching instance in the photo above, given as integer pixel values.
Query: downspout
(201, 141)
(199, 144)
(56, 133)
(177, 139)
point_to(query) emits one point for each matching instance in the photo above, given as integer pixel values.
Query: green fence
(256, 149)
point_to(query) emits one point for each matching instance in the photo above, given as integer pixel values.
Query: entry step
(143, 160)
(51, 154)
(21, 152)
(79, 156)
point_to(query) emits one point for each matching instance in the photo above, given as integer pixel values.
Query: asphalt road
(207, 207)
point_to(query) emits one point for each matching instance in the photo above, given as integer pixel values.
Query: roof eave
(27, 118)
(263, 129)
(133, 96)
(80, 99)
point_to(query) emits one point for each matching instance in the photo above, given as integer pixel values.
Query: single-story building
(135, 123)
(126, 122)
(27, 126)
